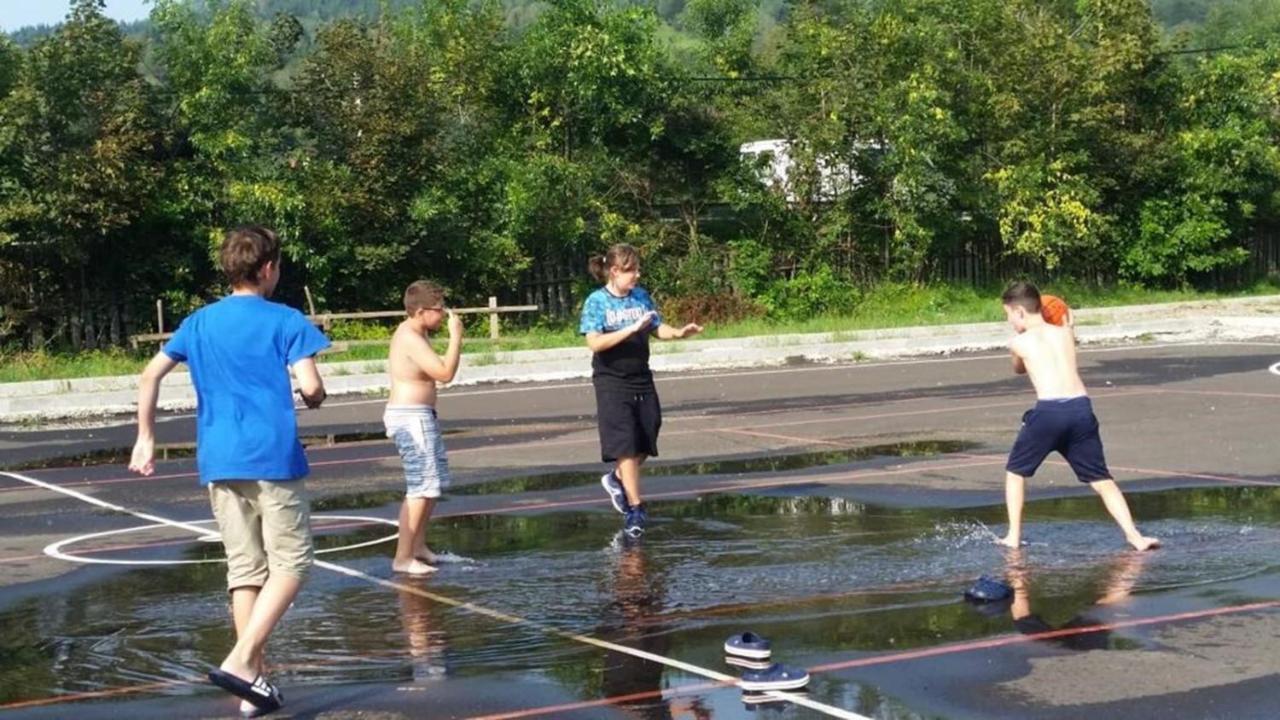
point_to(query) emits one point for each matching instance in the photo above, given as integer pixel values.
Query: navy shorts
(629, 422)
(1065, 426)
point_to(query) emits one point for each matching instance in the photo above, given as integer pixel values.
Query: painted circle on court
(56, 549)
(1275, 369)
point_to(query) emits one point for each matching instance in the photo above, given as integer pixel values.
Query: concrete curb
(1248, 318)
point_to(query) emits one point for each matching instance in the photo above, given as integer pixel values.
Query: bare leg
(1015, 487)
(420, 549)
(412, 520)
(629, 474)
(1119, 509)
(256, 613)
(242, 600)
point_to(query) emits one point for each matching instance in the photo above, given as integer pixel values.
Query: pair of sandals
(752, 652)
(261, 695)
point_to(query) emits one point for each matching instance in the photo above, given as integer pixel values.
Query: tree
(80, 171)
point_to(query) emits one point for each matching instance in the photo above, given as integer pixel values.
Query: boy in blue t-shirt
(239, 351)
(617, 320)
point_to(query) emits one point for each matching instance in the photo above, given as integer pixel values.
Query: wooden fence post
(159, 315)
(493, 318)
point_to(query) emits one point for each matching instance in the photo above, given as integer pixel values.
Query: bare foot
(425, 555)
(1010, 542)
(1144, 543)
(412, 567)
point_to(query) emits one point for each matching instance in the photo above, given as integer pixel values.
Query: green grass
(887, 306)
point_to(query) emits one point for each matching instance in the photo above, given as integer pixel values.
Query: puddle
(755, 464)
(834, 578)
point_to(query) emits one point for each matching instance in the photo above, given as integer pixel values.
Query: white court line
(1275, 369)
(56, 549)
(469, 607)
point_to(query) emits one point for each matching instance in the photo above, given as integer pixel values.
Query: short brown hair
(245, 250)
(421, 295)
(1023, 295)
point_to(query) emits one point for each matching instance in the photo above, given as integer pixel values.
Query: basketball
(1054, 309)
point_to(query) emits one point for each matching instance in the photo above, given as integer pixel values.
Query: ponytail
(621, 256)
(599, 268)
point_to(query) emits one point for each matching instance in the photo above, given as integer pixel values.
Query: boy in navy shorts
(1062, 419)
(617, 321)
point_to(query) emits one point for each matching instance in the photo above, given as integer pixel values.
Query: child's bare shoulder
(405, 336)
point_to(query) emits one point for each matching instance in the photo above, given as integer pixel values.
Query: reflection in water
(426, 641)
(1122, 574)
(638, 598)
(769, 463)
(831, 581)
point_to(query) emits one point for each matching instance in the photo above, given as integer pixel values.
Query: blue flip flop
(777, 677)
(261, 693)
(748, 645)
(988, 590)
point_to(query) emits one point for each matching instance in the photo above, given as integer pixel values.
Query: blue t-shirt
(239, 350)
(624, 366)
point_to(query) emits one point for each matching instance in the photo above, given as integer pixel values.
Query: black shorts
(629, 422)
(1066, 426)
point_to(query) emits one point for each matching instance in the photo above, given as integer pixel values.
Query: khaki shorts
(266, 529)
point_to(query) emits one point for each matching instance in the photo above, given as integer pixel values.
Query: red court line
(896, 658)
(789, 438)
(109, 692)
(1048, 635)
(611, 700)
(1198, 476)
(976, 461)
(490, 448)
(1228, 393)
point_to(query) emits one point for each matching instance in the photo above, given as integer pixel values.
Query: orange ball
(1054, 309)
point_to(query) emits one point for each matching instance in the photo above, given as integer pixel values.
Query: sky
(15, 14)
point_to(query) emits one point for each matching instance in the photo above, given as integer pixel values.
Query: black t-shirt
(625, 366)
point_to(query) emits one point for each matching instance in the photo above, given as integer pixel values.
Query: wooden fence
(325, 322)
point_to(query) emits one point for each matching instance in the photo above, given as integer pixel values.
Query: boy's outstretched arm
(666, 332)
(310, 385)
(144, 449)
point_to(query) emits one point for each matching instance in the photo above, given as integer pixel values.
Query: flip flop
(261, 693)
(988, 590)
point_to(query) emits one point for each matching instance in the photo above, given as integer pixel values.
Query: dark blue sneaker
(777, 677)
(609, 481)
(636, 518)
(748, 645)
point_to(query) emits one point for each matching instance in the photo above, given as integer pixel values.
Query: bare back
(1048, 352)
(410, 384)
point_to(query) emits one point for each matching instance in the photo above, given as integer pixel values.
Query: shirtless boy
(411, 421)
(1062, 419)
